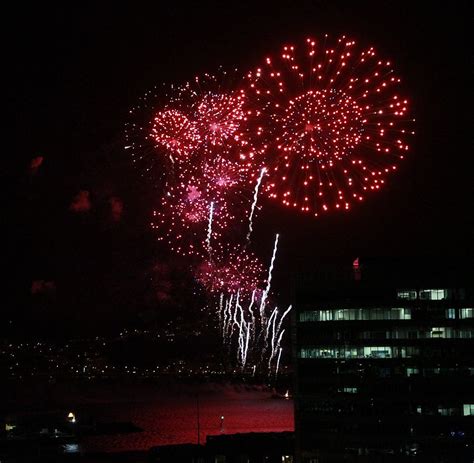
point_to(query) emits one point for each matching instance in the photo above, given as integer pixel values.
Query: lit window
(468, 410)
(359, 352)
(355, 314)
(445, 411)
(450, 313)
(438, 332)
(418, 410)
(433, 294)
(412, 371)
(466, 334)
(466, 313)
(407, 294)
(349, 390)
(378, 352)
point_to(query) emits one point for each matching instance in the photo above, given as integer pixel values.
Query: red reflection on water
(170, 417)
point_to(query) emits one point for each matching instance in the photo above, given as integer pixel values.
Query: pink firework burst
(219, 116)
(175, 133)
(204, 118)
(231, 270)
(222, 179)
(184, 214)
(225, 177)
(330, 121)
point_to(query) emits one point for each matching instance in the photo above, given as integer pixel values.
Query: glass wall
(466, 313)
(468, 410)
(359, 352)
(355, 314)
(450, 313)
(407, 294)
(433, 294)
(432, 332)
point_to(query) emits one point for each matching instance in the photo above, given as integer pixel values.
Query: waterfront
(166, 411)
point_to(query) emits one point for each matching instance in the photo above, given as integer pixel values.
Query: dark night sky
(74, 72)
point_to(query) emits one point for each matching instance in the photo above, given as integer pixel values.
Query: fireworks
(190, 216)
(254, 202)
(231, 270)
(175, 133)
(186, 124)
(333, 121)
(246, 322)
(219, 117)
(193, 213)
(316, 128)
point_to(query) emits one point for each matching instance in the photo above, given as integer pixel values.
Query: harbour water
(168, 412)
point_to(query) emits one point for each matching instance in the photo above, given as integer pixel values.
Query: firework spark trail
(249, 329)
(278, 362)
(252, 314)
(266, 336)
(275, 348)
(254, 203)
(269, 323)
(279, 339)
(209, 228)
(273, 334)
(249, 323)
(227, 318)
(269, 280)
(234, 316)
(224, 321)
(277, 334)
(221, 301)
(245, 328)
(287, 311)
(240, 325)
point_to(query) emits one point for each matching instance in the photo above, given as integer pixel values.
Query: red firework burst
(226, 179)
(186, 124)
(185, 212)
(331, 123)
(175, 133)
(219, 116)
(231, 270)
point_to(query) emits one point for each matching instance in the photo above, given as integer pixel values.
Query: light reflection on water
(169, 415)
(71, 448)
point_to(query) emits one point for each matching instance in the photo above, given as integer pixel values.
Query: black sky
(75, 70)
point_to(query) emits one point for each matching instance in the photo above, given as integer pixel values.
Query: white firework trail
(277, 334)
(247, 340)
(235, 324)
(226, 319)
(256, 328)
(221, 303)
(273, 335)
(278, 362)
(254, 203)
(287, 311)
(275, 348)
(240, 326)
(269, 279)
(252, 314)
(269, 324)
(209, 228)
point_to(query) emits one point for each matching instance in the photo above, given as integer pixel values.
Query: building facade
(384, 356)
